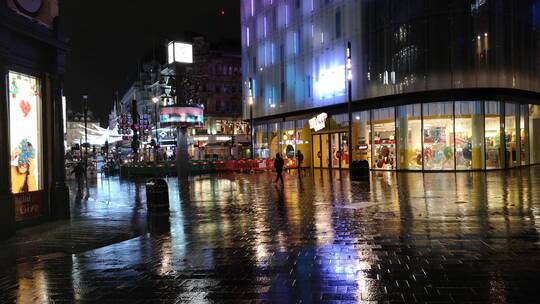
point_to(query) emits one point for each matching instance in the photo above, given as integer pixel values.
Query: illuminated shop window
(361, 135)
(534, 133)
(409, 137)
(438, 136)
(469, 135)
(492, 134)
(384, 139)
(511, 134)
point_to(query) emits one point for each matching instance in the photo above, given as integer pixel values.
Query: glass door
(336, 150)
(317, 153)
(325, 150)
(344, 150)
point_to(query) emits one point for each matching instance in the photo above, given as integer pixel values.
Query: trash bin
(360, 170)
(157, 197)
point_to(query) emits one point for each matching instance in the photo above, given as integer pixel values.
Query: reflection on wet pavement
(451, 238)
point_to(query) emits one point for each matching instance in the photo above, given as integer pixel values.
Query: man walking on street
(299, 161)
(278, 164)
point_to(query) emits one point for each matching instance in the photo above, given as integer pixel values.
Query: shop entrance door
(340, 150)
(321, 151)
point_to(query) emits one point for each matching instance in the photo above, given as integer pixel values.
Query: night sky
(107, 39)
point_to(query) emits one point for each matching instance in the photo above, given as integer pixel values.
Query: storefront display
(25, 144)
(384, 139)
(492, 134)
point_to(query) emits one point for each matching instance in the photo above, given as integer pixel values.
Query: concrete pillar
(182, 156)
(477, 141)
(60, 192)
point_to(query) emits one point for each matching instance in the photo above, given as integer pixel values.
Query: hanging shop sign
(25, 136)
(318, 122)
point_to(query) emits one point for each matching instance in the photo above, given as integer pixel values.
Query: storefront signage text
(318, 122)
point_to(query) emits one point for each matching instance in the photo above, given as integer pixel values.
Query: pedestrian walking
(79, 172)
(299, 160)
(278, 165)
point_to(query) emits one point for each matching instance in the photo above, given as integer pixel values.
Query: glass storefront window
(261, 142)
(492, 134)
(288, 143)
(303, 141)
(524, 134)
(384, 142)
(438, 136)
(409, 137)
(273, 132)
(469, 134)
(511, 127)
(361, 135)
(534, 133)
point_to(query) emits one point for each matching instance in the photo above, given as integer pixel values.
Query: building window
(511, 131)
(308, 82)
(338, 24)
(282, 92)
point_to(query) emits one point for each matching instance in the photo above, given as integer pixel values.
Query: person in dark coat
(278, 164)
(80, 174)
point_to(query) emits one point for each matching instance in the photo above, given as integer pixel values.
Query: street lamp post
(85, 97)
(155, 101)
(250, 101)
(349, 102)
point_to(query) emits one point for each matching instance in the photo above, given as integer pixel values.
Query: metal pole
(85, 97)
(349, 102)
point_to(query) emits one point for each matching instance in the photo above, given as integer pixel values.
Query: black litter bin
(157, 197)
(360, 170)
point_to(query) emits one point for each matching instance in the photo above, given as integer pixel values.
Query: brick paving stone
(237, 238)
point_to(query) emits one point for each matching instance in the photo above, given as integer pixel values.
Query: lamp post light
(349, 101)
(250, 102)
(155, 101)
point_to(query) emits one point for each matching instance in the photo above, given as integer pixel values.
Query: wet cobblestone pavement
(408, 238)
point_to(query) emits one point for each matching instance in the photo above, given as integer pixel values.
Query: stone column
(182, 156)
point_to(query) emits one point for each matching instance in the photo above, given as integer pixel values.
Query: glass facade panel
(361, 136)
(524, 134)
(317, 153)
(288, 143)
(469, 131)
(273, 133)
(438, 136)
(409, 137)
(494, 155)
(261, 142)
(384, 142)
(303, 141)
(511, 127)
(534, 133)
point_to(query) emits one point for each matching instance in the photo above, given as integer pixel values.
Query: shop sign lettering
(318, 122)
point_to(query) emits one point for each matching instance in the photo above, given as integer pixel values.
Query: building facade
(436, 85)
(32, 64)
(215, 82)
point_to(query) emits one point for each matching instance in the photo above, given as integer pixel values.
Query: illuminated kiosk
(182, 117)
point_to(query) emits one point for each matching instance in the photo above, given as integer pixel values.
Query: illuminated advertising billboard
(182, 116)
(25, 136)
